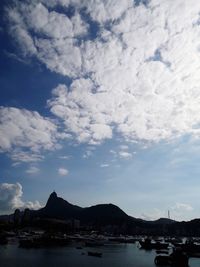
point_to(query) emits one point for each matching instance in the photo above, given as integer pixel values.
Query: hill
(103, 217)
(59, 208)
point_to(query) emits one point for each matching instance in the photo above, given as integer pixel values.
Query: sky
(100, 101)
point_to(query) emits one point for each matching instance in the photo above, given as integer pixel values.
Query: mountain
(104, 217)
(56, 207)
(163, 221)
(59, 208)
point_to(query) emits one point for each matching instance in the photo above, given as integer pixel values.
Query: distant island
(59, 214)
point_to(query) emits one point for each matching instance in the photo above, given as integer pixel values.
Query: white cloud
(65, 157)
(63, 172)
(123, 147)
(24, 134)
(51, 24)
(182, 207)
(11, 198)
(104, 165)
(113, 152)
(32, 205)
(80, 121)
(32, 170)
(153, 215)
(107, 10)
(142, 66)
(178, 212)
(88, 152)
(23, 156)
(20, 127)
(53, 39)
(124, 154)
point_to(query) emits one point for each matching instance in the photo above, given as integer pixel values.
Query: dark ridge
(103, 217)
(164, 221)
(57, 207)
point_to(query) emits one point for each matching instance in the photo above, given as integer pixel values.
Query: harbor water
(117, 255)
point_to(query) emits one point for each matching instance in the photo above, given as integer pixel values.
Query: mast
(168, 214)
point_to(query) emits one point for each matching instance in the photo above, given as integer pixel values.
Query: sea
(113, 255)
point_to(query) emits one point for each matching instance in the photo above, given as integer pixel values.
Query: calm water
(123, 255)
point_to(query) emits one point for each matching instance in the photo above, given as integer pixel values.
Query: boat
(162, 252)
(148, 244)
(162, 260)
(177, 258)
(43, 241)
(94, 254)
(192, 249)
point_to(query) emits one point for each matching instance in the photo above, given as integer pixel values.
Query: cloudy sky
(100, 101)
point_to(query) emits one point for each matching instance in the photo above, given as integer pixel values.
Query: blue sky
(100, 101)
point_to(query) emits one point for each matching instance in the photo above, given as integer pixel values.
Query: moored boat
(148, 244)
(177, 258)
(43, 241)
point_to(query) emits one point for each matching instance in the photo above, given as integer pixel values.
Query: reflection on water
(120, 255)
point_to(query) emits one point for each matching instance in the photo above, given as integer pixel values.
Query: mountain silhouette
(57, 207)
(59, 214)
(104, 217)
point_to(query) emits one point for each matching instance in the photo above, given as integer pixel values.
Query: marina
(73, 251)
